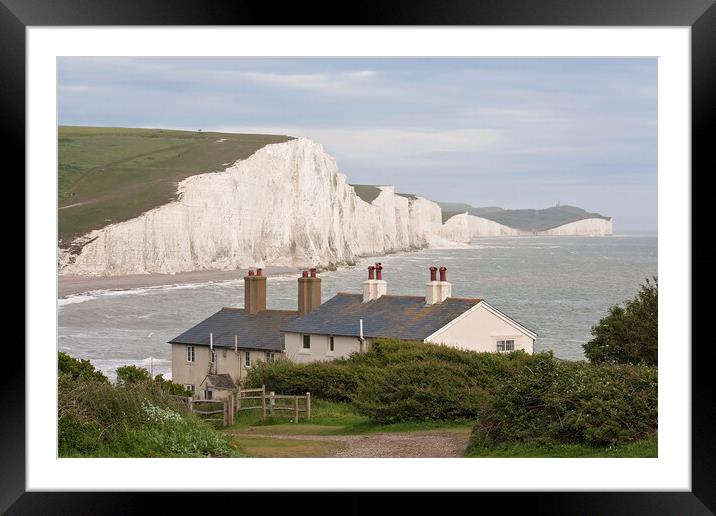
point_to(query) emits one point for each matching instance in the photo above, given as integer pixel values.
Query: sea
(559, 287)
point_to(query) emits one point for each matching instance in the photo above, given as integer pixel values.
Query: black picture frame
(699, 15)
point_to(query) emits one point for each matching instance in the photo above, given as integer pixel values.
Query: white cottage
(230, 341)
(348, 323)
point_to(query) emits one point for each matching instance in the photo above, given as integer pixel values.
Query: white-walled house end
(219, 351)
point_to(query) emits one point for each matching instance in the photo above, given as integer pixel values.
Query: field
(108, 175)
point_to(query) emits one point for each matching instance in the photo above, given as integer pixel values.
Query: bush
(577, 403)
(628, 335)
(418, 391)
(78, 368)
(132, 374)
(333, 381)
(129, 420)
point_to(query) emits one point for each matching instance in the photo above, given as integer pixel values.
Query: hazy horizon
(514, 133)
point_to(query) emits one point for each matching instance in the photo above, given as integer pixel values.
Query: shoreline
(71, 284)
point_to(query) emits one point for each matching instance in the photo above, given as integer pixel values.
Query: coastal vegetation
(135, 418)
(629, 334)
(513, 400)
(108, 175)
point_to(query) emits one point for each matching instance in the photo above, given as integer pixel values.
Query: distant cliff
(285, 205)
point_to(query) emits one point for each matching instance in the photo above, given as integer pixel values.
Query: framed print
(417, 249)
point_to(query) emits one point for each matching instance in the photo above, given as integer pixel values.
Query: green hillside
(108, 175)
(527, 219)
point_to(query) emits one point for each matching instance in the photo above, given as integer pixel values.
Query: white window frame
(503, 343)
(189, 387)
(270, 357)
(303, 342)
(331, 344)
(190, 354)
(247, 358)
(212, 357)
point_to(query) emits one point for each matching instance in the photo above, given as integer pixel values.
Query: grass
(647, 448)
(254, 436)
(108, 175)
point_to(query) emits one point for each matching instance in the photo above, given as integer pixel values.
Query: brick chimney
(374, 286)
(254, 292)
(309, 292)
(437, 291)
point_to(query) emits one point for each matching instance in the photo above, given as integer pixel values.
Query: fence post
(272, 401)
(238, 398)
(308, 405)
(263, 401)
(226, 411)
(295, 408)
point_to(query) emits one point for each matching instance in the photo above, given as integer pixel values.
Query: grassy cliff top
(527, 219)
(108, 175)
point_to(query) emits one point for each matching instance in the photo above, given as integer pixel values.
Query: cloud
(342, 82)
(395, 142)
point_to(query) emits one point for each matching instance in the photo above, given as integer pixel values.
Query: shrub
(582, 403)
(417, 391)
(334, 381)
(628, 335)
(76, 368)
(132, 374)
(129, 420)
(170, 387)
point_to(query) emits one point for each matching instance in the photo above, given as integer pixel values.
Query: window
(213, 357)
(505, 345)
(331, 344)
(269, 356)
(208, 394)
(306, 342)
(189, 387)
(247, 358)
(190, 353)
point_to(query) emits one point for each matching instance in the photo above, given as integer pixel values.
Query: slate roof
(220, 381)
(402, 317)
(258, 331)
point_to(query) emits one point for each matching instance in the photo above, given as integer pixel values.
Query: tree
(629, 334)
(78, 369)
(132, 374)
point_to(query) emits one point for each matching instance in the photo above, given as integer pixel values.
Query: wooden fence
(225, 407)
(273, 404)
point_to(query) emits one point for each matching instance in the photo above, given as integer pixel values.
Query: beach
(70, 284)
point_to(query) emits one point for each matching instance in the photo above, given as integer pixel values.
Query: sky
(514, 133)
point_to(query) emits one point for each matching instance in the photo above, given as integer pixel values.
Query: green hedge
(419, 391)
(575, 402)
(513, 397)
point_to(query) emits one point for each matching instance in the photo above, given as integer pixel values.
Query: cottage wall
(227, 362)
(343, 347)
(480, 330)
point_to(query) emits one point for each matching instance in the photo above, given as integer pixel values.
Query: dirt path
(433, 443)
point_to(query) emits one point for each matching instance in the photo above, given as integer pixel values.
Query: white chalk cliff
(286, 205)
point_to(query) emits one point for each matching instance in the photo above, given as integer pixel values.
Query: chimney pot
(379, 271)
(304, 274)
(371, 272)
(433, 275)
(251, 272)
(313, 272)
(258, 271)
(443, 273)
